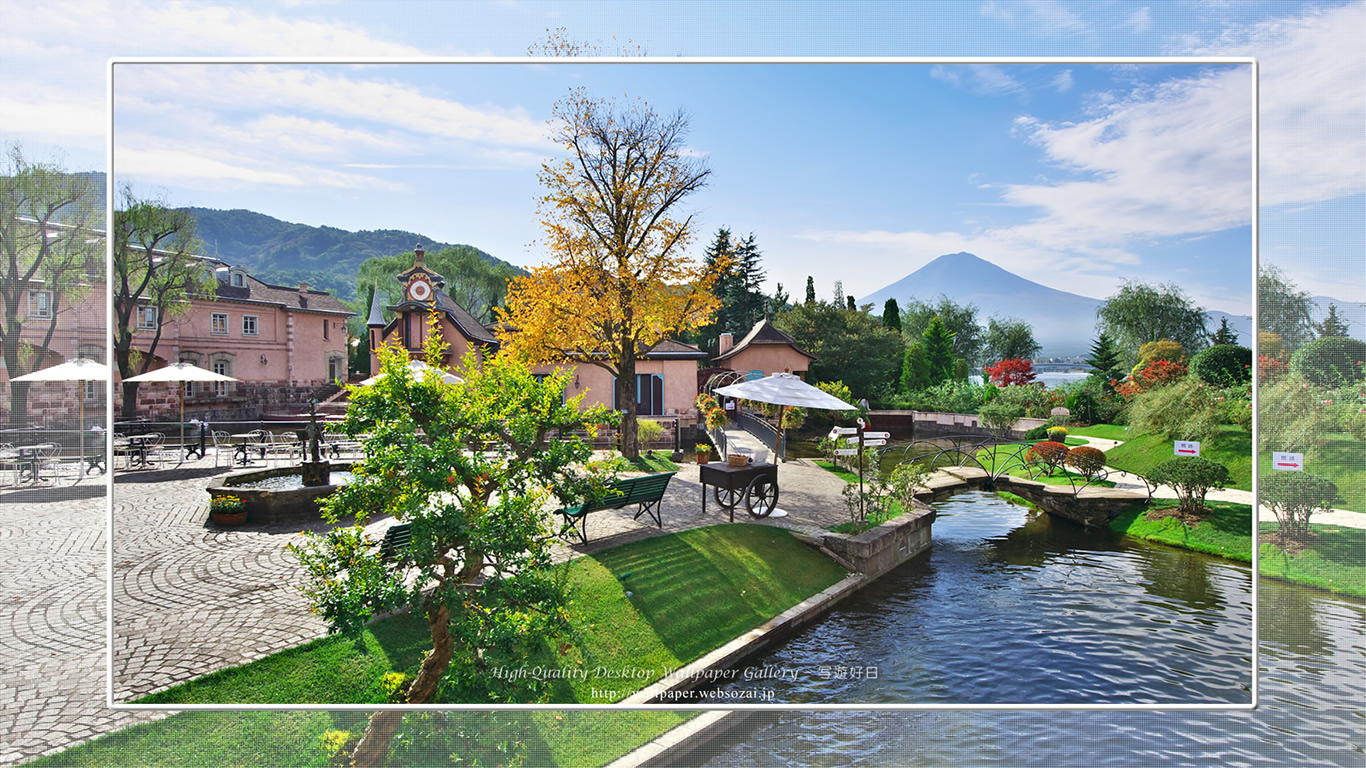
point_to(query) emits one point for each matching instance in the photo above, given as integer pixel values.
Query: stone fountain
(287, 495)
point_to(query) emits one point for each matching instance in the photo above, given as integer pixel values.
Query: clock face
(420, 290)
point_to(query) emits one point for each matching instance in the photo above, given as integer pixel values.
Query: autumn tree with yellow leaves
(619, 280)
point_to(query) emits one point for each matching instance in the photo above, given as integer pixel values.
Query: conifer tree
(891, 315)
(1105, 360)
(938, 343)
(1332, 325)
(1225, 334)
(810, 291)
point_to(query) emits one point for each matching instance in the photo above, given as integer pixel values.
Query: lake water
(1014, 607)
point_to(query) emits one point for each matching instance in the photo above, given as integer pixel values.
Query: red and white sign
(846, 451)
(1287, 461)
(837, 431)
(851, 440)
(877, 435)
(730, 406)
(874, 442)
(1187, 448)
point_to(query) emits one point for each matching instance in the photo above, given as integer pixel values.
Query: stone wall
(884, 547)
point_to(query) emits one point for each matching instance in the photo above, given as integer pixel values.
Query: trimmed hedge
(1223, 365)
(1331, 361)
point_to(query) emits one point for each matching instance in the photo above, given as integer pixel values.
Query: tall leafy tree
(1225, 334)
(1142, 312)
(938, 345)
(49, 254)
(471, 469)
(619, 279)
(915, 371)
(960, 319)
(1106, 361)
(1332, 325)
(891, 315)
(852, 347)
(1284, 309)
(156, 269)
(1010, 339)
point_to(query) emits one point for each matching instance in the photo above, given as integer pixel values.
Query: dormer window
(237, 278)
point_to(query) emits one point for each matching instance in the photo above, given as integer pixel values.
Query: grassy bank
(644, 609)
(1341, 460)
(1103, 431)
(1232, 447)
(213, 739)
(1335, 560)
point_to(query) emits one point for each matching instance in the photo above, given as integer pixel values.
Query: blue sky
(1071, 174)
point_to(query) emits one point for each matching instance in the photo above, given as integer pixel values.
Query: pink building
(764, 350)
(666, 375)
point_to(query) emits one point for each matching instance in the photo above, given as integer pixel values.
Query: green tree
(1191, 477)
(156, 271)
(1283, 309)
(1009, 339)
(1000, 418)
(915, 370)
(891, 315)
(470, 468)
(1293, 497)
(852, 347)
(1106, 361)
(738, 287)
(810, 291)
(1225, 335)
(1332, 325)
(938, 344)
(960, 319)
(1141, 312)
(779, 302)
(46, 217)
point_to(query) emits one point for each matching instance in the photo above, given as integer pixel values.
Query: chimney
(303, 287)
(727, 341)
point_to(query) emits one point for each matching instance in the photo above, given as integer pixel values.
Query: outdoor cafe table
(246, 440)
(23, 457)
(754, 483)
(135, 448)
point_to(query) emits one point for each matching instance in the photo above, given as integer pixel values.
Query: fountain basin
(272, 499)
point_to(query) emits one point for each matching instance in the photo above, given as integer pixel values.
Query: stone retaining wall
(884, 547)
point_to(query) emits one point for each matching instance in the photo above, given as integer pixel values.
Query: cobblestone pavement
(190, 598)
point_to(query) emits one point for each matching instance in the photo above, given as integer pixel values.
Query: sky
(1073, 174)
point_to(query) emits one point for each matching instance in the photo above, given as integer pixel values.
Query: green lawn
(1232, 447)
(1343, 461)
(653, 462)
(542, 738)
(1104, 431)
(1336, 561)
(1227, 532)
(644, 608)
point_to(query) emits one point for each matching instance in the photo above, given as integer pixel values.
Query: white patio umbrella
(418, 369)
(78, 369)
(786, 390)
(181, 372)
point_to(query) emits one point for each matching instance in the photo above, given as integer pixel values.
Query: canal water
(1012, 607)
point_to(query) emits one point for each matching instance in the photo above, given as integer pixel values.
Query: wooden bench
(396, 538)
(647, 491)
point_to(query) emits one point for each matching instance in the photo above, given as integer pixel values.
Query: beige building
(763, 351)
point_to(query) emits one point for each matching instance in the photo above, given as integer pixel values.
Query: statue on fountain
(317, 471)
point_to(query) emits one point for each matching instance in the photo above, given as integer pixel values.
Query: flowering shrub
(1047, 455)
(226, 505)
(1012, 372)
(1156, 374)
(1086, 460)
(1271, 369)
(1057, 434)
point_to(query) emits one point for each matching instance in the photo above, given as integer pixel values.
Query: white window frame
(255, 323)
(40, 304)
(214, 325)
(147, 318)
(222, 368)
(92, 389)
(237, 280)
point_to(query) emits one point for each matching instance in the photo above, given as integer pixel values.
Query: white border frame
(690, 707)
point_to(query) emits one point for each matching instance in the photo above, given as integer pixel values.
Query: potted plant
(703, 452)
(1057, 434)
(227, 510)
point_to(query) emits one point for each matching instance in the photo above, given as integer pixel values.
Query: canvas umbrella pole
(181, 372)
(80, 369)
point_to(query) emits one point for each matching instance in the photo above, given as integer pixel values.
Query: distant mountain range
(327, 258)
(1064, 323)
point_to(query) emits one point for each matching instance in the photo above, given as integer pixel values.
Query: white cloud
(1312, 85)
(1063, 81)
(986, 79)
(170, 164)
(1140, 21)
(1045, 17)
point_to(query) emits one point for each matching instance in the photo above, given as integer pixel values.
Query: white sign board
(1187, 448)
(730, 406)
(1289, 461)
(877, 435)
(846, 451)
(851, 440)
(874, 442)
(837, 431)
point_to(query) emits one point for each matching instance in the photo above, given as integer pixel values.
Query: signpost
(846, 451)
(1287, 461)
(1187, 448)
(874, 442)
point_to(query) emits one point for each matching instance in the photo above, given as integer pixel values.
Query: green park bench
(396, 538)
(647, 491)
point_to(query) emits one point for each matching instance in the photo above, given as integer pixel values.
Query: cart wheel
(761, 496)
(725, 497)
